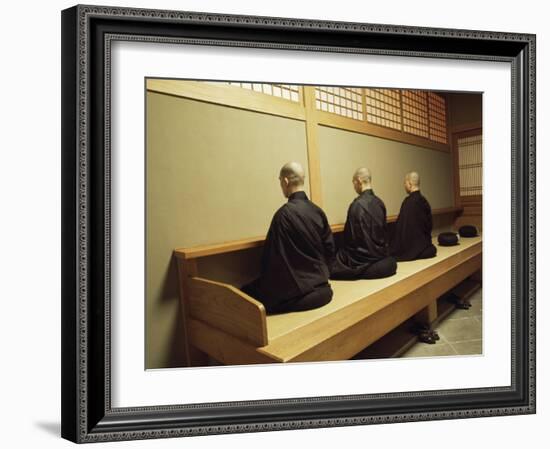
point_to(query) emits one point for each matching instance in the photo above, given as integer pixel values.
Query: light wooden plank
(347, 293)
(224, 347)
(218, 248)
(364, 127)
(340, 336)
(228, 309)
(228, 96)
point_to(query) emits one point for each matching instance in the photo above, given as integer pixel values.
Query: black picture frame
(87, 415)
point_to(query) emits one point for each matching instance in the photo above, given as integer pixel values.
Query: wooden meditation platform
(232, 327)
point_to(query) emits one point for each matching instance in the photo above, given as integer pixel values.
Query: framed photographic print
(282, 223)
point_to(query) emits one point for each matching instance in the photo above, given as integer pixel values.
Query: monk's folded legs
(317, 298)
(320, 296)
(428, 253)
(381, 269)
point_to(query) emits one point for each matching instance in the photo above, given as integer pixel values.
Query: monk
(298, 250)
(364, 253)
(413, 229)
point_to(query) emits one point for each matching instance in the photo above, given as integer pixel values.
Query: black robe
(413, 230)
(364, 239)
(298, 250)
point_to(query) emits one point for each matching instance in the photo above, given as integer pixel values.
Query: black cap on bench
(467, 231)
(447, 239)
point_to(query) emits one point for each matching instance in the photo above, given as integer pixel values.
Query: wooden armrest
(228, 309)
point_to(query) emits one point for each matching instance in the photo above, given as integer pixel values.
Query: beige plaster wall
(342, 152)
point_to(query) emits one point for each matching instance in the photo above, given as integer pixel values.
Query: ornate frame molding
(87, 415)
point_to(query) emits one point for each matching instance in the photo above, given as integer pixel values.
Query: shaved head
(412, 182)
(363, 175)
(361, 179)
(294, 173)
(413, 178)
(291, 178)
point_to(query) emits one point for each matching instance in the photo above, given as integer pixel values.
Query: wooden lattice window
(437, 117)
(344, 101)
(470, 165)
(418, 112)
(384, 107)
(415, 112)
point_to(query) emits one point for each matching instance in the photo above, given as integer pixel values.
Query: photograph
(310, 223)
(276, 223)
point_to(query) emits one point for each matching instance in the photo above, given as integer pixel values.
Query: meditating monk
(298, 250)
(413, 229)
(364, 253)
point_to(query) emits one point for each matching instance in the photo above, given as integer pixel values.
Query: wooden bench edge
(226, 348)
(228, 317)
(279, 346)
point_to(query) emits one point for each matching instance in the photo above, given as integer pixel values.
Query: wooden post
(312, 145)
(428, 314)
